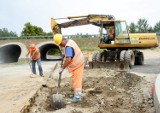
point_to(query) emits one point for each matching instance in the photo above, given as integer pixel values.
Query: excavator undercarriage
(119, 59)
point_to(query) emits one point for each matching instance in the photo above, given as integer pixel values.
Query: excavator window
(124, 30)
(120, 28)
(122, 35)
(117, 27)
(108, 34)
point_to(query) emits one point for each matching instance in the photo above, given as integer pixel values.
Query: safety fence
(50, 37)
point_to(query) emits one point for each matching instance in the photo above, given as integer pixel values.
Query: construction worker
(107, 38)
(112, 32)
(74, 61)
(36, 57)
(111, 35)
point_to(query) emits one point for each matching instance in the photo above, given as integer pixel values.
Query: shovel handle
(59, 81)
(29, 62)
(62, 60)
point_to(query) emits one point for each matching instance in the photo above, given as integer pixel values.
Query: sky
(15, 13)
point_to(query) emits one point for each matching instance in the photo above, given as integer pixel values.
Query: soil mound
(104, 91)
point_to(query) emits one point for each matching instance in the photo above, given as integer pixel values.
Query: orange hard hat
(32, 46)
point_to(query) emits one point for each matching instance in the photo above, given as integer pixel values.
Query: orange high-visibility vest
(34, 53)
(78, 58)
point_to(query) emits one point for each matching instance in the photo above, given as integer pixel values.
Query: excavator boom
(79, 21)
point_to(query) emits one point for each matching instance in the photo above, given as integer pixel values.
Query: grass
(86, 44)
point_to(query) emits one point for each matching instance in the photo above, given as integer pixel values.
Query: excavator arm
(78, 21)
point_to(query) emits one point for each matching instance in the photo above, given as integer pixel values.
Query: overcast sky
(15, 13)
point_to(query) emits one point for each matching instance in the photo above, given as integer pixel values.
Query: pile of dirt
(104, 91)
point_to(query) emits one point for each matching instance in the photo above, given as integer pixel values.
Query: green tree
(142, 26)
(5, 33)
(31, 30)
(157, 27)
(49, 34)
(132, 28)
(150, 30)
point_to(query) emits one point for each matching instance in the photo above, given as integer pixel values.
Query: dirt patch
(104, 91)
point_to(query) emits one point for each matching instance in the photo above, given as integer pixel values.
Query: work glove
(61, 70)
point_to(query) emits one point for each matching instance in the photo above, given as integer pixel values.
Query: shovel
(57, 99)
(29, 62)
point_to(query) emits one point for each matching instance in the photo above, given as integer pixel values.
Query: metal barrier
(50, 37)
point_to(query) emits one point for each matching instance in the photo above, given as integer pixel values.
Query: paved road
(151, 62)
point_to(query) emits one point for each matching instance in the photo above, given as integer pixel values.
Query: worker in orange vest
(74, 61)
(111, 35)
(36, 57)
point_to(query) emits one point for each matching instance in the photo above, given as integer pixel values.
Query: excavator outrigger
(122, 50)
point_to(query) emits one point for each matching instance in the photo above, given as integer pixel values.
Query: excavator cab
(114, 32)
(108, 35)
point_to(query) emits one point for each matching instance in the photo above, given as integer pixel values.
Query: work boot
(42, 75)
(33, 75)
(76, 98)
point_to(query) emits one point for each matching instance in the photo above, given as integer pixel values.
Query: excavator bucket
(56, 29)
(117, 66)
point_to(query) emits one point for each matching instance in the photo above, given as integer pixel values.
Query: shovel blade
(57, 101)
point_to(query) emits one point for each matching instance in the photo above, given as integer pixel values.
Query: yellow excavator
(121, 49)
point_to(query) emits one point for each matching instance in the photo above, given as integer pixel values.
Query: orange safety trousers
(77, 79)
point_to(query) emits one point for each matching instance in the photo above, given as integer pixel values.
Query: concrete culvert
(49, 51)
(10, 53)
(14, 52)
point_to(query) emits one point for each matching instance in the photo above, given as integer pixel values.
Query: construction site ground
(104, 90)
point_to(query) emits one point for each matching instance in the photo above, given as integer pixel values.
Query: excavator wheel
(104, 56)
(99, 57)
(111, 55)
(136, 61)
(130, 58)
(140, 58)
(94, 57)
(122, 55)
